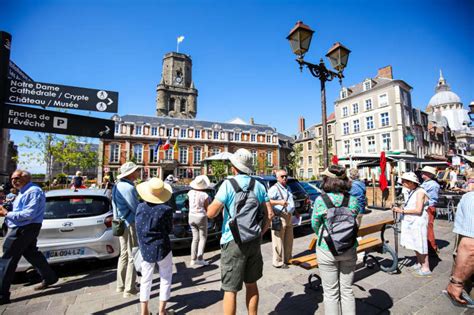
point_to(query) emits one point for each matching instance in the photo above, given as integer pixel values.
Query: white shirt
(196, 202)
(279, 192)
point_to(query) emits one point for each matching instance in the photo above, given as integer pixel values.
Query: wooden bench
(366, 245)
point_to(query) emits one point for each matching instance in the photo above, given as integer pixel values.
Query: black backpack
(246, 224)
(340, 230)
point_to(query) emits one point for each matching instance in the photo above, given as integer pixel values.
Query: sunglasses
(284, 176)
(16, 178)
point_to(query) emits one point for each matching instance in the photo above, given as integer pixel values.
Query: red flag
(334, 160)
(167, 145)
(383, 165)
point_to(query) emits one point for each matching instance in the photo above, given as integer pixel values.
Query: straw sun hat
(411, 177)
(201, 182)
(429, 169)
(155, 191)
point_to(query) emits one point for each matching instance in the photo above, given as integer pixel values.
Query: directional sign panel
(15, 72)
(27, 118)
(49, 95)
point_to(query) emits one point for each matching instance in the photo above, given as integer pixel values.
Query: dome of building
(444, 97)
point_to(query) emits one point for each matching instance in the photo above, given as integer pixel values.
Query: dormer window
(367, 84)
(138, 130)
(343, 93)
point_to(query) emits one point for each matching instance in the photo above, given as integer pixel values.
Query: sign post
(48, 95)
(32, 119)
(5, 47)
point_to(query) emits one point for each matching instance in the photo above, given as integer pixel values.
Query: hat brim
(411, 180)
(423, 170)
(128, 172)
(146, 194)
(241, 167)
(196, 186)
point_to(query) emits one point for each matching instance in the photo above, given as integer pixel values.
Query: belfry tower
(176, 95)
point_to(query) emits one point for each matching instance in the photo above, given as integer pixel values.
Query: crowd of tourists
(143, 222)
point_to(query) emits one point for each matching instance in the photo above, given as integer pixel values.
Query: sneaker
(130, 294)
(44, 285)
(193, 263)
(202, 262)
(422, 274)
(416, 267)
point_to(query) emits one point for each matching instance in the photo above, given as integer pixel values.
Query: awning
(467, 158)
(409, 159)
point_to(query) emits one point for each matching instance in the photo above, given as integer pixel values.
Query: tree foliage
(219, 169)
(294, 158)
(68, 151)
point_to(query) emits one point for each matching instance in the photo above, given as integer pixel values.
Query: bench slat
(302, 259)
(369, 245)
(373, 228)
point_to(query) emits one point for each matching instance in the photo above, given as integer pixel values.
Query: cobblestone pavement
(89, 288)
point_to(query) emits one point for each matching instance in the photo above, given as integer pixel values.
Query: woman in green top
(337, 272)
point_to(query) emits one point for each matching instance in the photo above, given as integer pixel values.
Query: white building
(375, 115)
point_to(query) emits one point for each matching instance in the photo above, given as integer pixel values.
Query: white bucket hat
(242, 160)
(127, 169)
(429, 169)
(201, 182)
(411, 177)
(155, 191)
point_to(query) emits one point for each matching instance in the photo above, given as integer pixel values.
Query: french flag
(167, 145)
(158, 145)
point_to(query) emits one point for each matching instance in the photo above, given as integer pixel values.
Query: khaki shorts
(240, 264)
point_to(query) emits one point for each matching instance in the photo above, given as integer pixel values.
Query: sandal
(464, 295)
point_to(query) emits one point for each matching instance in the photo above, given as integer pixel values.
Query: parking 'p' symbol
(60, 122)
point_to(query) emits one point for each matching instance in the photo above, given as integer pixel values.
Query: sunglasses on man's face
(284, 176)
(16, 178)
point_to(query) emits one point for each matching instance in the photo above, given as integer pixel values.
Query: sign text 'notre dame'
(27, 118)
(49, 95)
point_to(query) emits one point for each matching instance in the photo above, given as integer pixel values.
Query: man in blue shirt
(431, 187)
(358, 190)
(125, 203)
(463, 268)
(24, 224)
(240, 263)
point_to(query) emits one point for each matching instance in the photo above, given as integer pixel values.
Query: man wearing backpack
(246, 205)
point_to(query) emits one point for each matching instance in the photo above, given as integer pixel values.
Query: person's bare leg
(251, 298)
(230, 303)
(423, 261)
(162, 310)
(144, 308)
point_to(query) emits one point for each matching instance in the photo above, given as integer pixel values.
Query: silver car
(77, 225)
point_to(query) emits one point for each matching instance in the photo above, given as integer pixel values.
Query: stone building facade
(311, 141)
(176, 94)
(191, 141)
(375, 115)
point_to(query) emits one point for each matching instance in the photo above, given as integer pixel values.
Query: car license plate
(64, 252)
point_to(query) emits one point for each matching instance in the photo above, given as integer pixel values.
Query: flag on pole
(175, 147)
(158, 145)
(383, 165)
(166, 147)
(179, 40)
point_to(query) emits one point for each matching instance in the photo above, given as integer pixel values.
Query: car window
(295, 186)
(182, 202)
(75, 207)
(309, 188)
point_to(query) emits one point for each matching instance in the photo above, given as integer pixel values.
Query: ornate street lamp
(300, 39)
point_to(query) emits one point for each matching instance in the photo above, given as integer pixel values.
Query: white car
(77, 225)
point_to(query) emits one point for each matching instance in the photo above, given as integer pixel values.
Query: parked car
(182, 235)
(312, 190)
(316, 183)
(77, 225)
(300, 196)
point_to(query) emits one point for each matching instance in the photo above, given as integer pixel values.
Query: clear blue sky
(242, 63)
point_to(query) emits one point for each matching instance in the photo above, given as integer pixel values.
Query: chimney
(252, 122)
(385, 72)
(301, 124)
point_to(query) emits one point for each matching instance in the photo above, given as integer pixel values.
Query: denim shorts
(240, 264)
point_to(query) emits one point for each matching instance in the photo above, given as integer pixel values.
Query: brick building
(136, 136)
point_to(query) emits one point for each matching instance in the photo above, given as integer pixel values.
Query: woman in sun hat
(154, 223)
(414, 231)
(198, 203)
